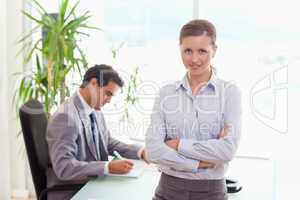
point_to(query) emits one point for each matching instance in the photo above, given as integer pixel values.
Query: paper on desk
(137, 170)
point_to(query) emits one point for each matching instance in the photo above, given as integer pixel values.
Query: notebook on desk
(137, 170)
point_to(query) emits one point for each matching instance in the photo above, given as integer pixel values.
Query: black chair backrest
(34, 125)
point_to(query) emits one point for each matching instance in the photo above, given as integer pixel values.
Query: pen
(118, 155)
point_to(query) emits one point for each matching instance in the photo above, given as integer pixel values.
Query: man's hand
(119, 166)
(206, 165)
(224, 131)
(145, 157)
(173, 143)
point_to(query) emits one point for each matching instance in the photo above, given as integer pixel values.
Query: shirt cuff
(193, 165)
(106, 170)
(139, 153)
(184, 146)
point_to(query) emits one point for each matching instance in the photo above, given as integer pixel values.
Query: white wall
(14, 175)
(12, 168)
(4, 137)
(14, 64)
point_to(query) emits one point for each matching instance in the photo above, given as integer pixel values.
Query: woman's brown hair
(198, 27)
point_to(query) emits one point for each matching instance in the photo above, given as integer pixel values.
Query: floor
(23, 199)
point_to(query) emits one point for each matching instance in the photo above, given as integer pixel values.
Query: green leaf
(30, 93)
(90, 27)
(84, 61)
(18, 73)
(25, 93)
(82, 33)
(23, 47)
(29, 34)
(21, 87)
(50, 21)
(75, 23)
(67, 91)
(62, 10)
(28, 57)
(38, 65)
(58, 47)
(39, 5)
(72, 11)
(34, 19)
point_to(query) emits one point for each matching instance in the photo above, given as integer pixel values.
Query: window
(150, 32)
(257, 48)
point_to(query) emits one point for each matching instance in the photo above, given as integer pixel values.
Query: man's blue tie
(103, 154)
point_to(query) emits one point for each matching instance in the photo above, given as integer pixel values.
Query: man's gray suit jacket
(71, 148)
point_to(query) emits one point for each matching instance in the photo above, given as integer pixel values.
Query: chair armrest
(55, 188)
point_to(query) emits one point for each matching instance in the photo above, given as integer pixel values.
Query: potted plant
(55, 54)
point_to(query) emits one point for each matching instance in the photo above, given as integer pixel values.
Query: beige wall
(4, 137)
(14, 176)
(14, 64)
(12, 171)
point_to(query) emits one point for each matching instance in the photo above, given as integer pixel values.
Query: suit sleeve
(62, 137)
(126, 150)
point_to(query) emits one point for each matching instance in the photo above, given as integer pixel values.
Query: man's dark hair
(104, 74)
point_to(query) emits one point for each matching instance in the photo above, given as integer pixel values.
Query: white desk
(256, 177)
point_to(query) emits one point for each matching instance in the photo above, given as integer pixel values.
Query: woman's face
(197, 53)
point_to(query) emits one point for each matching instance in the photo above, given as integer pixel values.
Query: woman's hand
(173, 143)
(206, 165)
(224, 131)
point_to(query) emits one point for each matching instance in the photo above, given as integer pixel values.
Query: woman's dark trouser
(173, 188)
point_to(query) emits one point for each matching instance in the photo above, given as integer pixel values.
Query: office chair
(233, 186)
(34, 125)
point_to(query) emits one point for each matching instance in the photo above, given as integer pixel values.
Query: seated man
(78, 139)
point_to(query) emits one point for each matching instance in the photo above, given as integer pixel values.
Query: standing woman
(195, 124)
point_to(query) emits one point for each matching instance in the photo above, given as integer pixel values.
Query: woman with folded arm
(195, 124)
